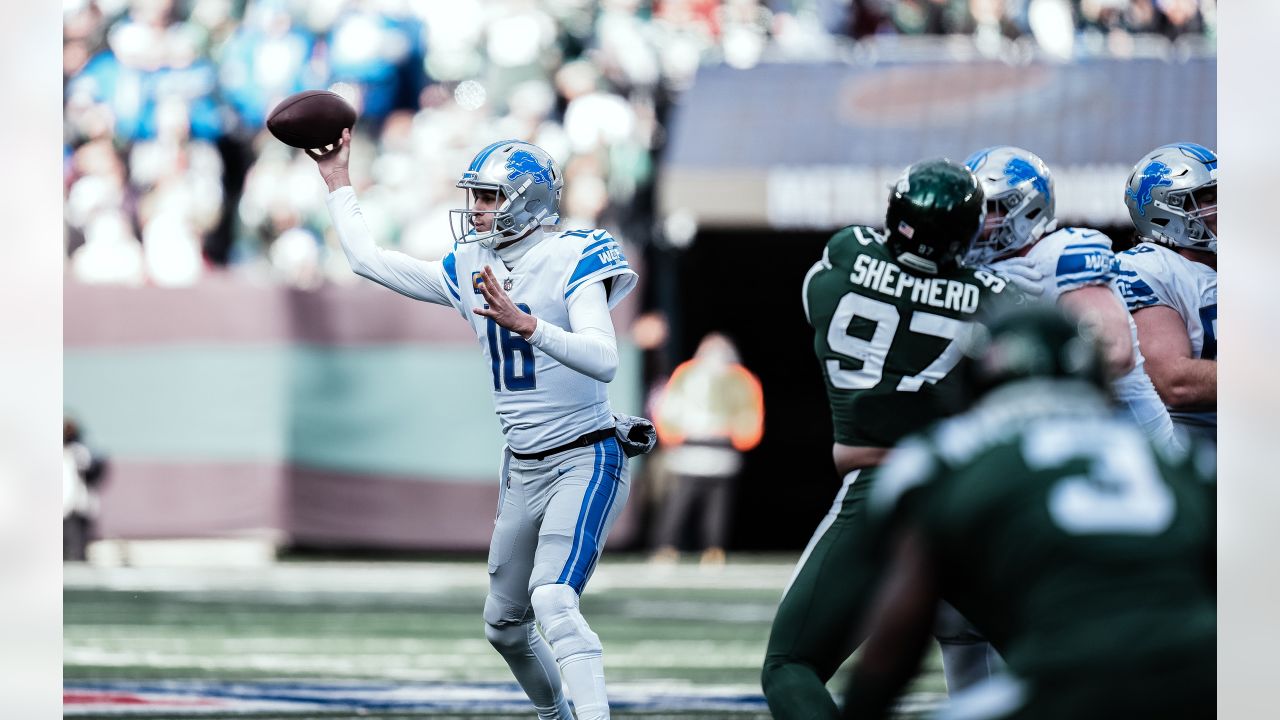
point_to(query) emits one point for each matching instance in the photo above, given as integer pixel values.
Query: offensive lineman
(888, 309)
(1078, 266)
(1083, 550)
(1170, 279)
(539, 304)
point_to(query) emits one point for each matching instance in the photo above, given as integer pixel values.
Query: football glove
(1022, 272)
(636, 434)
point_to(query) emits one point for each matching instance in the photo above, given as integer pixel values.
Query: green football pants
(817, 624)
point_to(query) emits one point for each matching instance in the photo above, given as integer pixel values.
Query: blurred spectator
(82, 474)
(709, 413)
(165, 104)
(267, 58)
(110, 253)
(382, 54)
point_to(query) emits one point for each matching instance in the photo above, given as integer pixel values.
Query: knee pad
(508, 639)
(556, 607)
(501, 611)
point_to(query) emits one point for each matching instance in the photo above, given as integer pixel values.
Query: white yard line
(425, 578)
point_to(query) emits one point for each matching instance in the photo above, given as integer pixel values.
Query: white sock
(584, 674)
(576, 647)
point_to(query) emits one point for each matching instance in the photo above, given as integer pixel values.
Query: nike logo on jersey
(889, 279)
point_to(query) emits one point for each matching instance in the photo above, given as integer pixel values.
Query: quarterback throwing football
(539, 302)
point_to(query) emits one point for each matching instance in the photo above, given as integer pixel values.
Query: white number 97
(873, 352)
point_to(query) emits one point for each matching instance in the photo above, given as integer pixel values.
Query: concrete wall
(343, 417)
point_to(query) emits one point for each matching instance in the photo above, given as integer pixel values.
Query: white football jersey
(1073, 257)
(1152, 274)
(540, 403)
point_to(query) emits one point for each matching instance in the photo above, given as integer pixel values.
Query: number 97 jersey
(888, 340)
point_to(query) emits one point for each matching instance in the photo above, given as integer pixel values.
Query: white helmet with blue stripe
(1172, 192)
(1020, 201)
(527, 182)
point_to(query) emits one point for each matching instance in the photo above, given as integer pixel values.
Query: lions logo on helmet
(527, 182)
(1172, 194)
(1155, 174)
(1020, 201)
(523, 162)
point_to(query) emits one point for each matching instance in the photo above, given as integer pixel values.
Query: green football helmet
(1032, 343)
(936, 210)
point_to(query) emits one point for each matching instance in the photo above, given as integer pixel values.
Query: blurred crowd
(1012, 18)
(169, 174)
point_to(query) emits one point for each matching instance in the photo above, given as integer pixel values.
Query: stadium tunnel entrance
(746, 284)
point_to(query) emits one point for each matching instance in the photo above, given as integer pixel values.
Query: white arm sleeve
(589, 347)
(418, 279)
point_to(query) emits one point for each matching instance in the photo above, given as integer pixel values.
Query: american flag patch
(907, 231)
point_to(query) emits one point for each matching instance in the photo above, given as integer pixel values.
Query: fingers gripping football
(333, 160)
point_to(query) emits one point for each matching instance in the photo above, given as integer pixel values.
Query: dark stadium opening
(746, 284)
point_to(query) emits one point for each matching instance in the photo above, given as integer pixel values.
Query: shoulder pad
(1142, 248)
(1084, 257)
(449, 266)
(596, 255)
(1074, 235)
(851, 242)
(1140, 275)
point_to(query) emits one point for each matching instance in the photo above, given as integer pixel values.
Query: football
(311, 119)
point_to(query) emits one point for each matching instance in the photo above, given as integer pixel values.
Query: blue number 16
(504, 346)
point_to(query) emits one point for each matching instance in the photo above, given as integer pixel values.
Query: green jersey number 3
(1121, 492)
(873, 352)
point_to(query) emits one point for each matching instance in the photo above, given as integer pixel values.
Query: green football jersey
(887, 340)
(1067, 539)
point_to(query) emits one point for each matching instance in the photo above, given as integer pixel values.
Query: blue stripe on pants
(604, 517)
(587, 495)
(596, 503)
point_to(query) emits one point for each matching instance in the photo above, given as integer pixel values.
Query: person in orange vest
(710, 412)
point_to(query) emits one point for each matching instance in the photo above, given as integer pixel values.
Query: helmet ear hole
(1033, 214)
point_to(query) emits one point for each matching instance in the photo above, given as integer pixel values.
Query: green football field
(405, 639)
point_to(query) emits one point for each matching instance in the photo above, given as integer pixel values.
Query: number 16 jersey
(887, 340)
(540, 402)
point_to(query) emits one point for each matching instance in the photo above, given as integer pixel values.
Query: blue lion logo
(1019, 171)
(1154, 175)
(524, 162)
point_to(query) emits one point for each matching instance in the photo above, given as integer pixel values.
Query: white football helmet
(1020, 202)
(528, 184)
(1171, 192)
